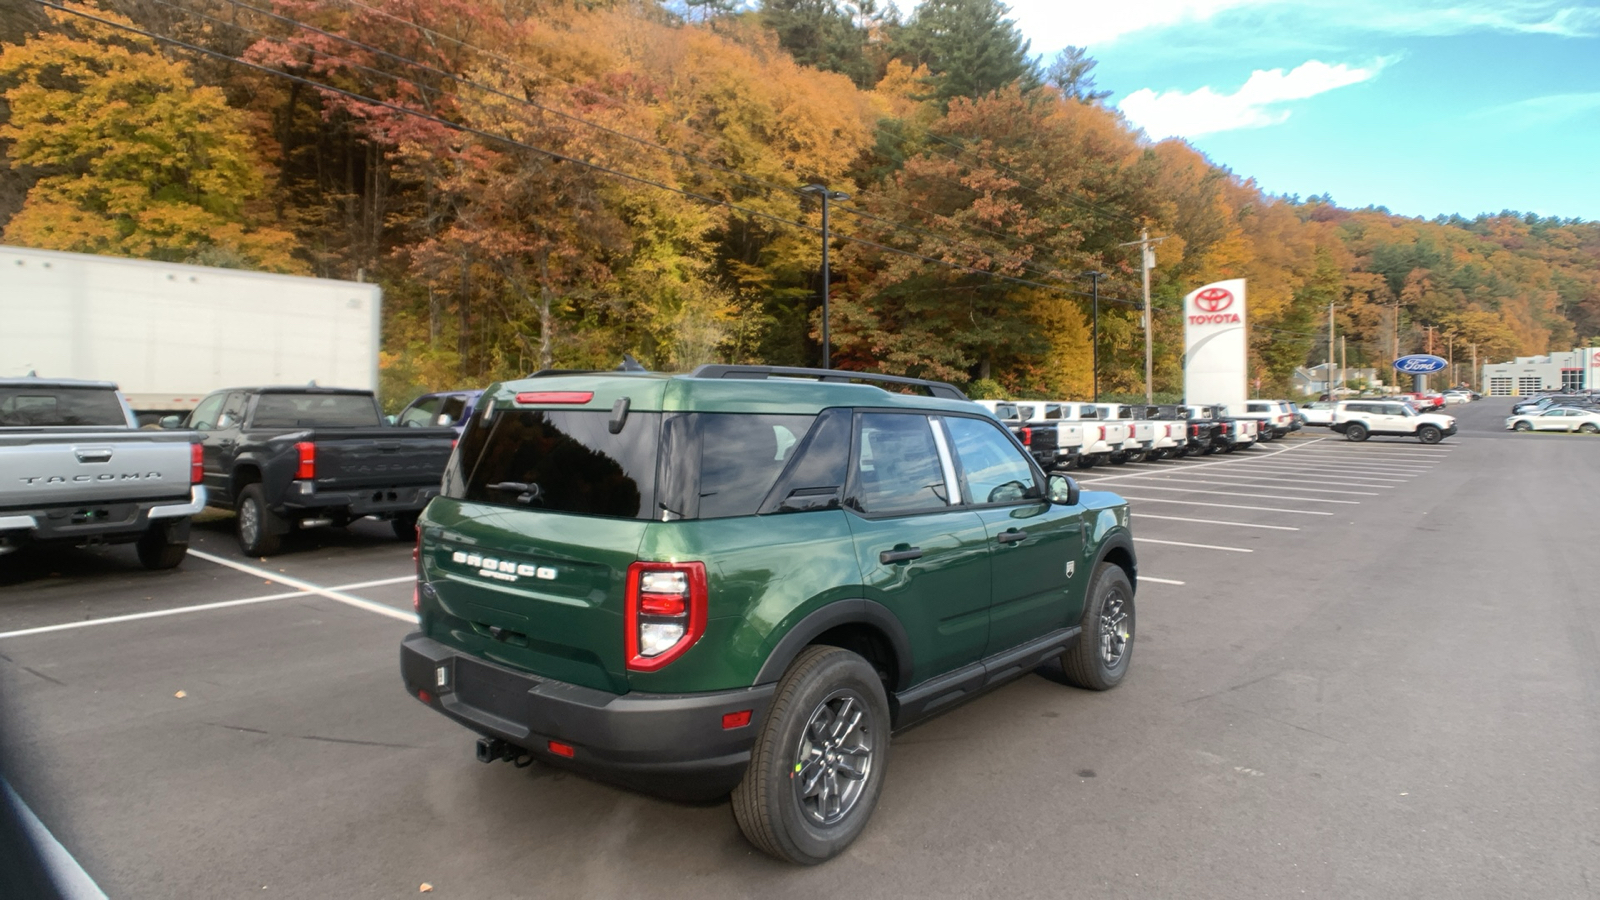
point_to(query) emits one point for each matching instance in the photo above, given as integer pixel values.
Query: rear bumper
(89, 522)
(302, 496)
(672, 745)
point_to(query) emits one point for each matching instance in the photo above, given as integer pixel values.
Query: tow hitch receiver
(493, 750)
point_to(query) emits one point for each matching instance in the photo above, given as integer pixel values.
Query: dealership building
(1575, 370)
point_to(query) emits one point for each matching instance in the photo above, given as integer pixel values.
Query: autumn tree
(132, 157)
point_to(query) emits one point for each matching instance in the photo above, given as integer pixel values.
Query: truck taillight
(197, 463)
(307, 469)
(665, 612)
(1027, 437)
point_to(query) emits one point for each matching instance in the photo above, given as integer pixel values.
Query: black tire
(1589, 428)
(1179, 452)
(1429, 434)
(1099, 659)
(157, 548)
(1522, 426)
(259, 529)
(1208, 449)
(405, 527)
(1119, 458)
(767, 804)
(1355, 431)
(1085, 462)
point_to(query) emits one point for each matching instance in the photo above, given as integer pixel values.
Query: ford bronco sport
(744, 579)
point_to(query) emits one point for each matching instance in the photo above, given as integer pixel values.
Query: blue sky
(1426, 107)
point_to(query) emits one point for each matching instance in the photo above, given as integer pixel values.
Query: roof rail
(941, 389)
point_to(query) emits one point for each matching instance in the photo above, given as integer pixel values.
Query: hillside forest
(555, 183)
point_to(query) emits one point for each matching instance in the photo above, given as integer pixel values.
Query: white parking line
(69, 878)
(1243, 481)
(1340, 473)
(1142, 540)
(1217, 522)
(1206, 465)
(1298, 512)
(1310, 460)
(1292, 480)
(330, 593)
(200, 607)
(1396, 459)
(1144, 486)
(1159, 580)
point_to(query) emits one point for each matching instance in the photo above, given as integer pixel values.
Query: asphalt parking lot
(1362, 670)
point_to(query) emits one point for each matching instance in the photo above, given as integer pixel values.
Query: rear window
(43, 407)
(311, 410)
(560, 461)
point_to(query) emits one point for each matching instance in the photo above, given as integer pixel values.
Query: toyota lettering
(1211, 307)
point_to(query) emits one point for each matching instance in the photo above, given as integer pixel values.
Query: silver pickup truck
(75, 469)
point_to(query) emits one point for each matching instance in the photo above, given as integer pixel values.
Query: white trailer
(169, 333)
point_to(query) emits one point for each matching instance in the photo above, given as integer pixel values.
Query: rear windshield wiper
(526, 492)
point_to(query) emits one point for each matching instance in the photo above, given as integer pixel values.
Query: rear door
(922, 555)
(1035, 547)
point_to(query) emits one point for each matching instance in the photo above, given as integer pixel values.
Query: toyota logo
(1213, 300)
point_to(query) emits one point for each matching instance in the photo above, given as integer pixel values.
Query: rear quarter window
(722, 465)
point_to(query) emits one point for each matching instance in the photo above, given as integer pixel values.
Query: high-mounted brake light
(665, 612)
(197, 463)
(555, 397)
(307, 469)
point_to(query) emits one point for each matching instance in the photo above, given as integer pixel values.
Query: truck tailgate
(67, 466)
(357, 458)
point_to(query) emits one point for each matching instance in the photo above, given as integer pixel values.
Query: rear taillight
(197, 463)
(307, 469)
(666, 612)
(1027, 437)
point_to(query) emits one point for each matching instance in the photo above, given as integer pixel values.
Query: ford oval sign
(1419, 364)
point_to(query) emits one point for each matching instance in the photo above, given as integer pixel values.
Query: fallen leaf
(425, 889)
(180, 695)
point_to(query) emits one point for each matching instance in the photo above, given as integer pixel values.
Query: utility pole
(1147, 261)
(1095, 334)
(822, 191)
(1329, 380)
(1344, 362)
(1474, 366)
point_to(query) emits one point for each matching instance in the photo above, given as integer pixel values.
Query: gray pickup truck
(75, 469)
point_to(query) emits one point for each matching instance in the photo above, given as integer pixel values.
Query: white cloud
(1545, 110)
(1054, 23)
(1258, 102)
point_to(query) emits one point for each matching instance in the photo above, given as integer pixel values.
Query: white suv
(1356, 419)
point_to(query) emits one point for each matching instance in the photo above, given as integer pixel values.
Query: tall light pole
(1095, 338)
(821, 190)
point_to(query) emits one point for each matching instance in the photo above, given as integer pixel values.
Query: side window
(816, 477)
(420, 415)
(897, 467)
(204, 417)
(993, 470)
(453, 408)
(233, 410)
(741, 456)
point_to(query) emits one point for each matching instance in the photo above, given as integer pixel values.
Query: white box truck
(169, 333)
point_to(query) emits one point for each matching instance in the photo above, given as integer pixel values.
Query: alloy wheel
(833, 759)
(1113, 630)
(249, 522)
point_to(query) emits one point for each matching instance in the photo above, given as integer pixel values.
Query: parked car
(1317, 412)
(1452, 398)
(1212, 429)
(613, 581)
(1547, 401)
(1273, 418)
(1356, 419)
(287, 457)
(1172, 432)
(1103, 439)
(76, 469)
(1557, 418)
(1141, 437)
(449, 409)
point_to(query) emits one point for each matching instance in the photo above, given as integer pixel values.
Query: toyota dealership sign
(1215, 359)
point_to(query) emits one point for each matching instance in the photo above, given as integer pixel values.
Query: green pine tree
(970, 48)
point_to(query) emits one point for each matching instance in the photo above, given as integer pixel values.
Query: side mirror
(1063, 490)
(389, 420)
(170, 422)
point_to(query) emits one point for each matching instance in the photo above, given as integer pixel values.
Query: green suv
(745, 578)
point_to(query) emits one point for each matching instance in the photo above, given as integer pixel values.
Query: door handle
(898, 556)
(1011, 537)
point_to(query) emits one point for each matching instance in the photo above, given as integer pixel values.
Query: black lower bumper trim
(671, 745)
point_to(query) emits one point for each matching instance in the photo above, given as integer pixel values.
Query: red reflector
(197, 465)
(662, 604)
(307, 469)
(561, 749)
(737, 719)
(555, 397)
(424, 696)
